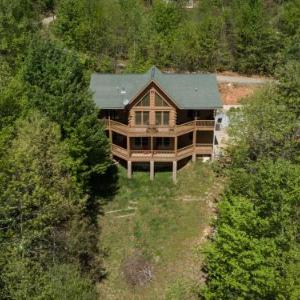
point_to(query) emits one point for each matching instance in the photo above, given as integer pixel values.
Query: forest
(56, 173)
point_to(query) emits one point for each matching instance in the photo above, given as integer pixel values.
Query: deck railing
(181, 128)
(119, 151)
(161, 154)
(147, 154)
(152, 129)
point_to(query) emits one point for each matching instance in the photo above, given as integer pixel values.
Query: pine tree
(56, 84)
(255, 245)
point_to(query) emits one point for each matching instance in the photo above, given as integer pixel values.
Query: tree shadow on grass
(103, 189)
(106, 186)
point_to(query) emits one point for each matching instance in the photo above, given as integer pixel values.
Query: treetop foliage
(244, 36)
(254, 253)
(54, 164)
(56, 84)
(55, 167)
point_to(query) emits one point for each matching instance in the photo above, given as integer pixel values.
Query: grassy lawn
(164, 223)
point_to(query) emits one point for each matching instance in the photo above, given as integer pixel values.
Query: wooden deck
(161, 155)
(152, 155)
(202, 125)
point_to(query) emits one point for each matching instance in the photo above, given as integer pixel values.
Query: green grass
(167, 224)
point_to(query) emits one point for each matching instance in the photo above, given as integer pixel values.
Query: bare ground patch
(233, 94)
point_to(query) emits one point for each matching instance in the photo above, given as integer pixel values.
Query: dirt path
(241, 80)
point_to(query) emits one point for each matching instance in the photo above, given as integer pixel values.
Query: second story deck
(154, 130)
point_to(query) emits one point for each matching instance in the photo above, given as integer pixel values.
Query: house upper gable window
(145, 101)
(159, 101)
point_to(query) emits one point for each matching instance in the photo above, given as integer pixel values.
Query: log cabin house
(158, 118)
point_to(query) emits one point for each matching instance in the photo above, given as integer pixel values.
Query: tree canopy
(254, 253)
(244, 36)
(55, 165)
(40, 203)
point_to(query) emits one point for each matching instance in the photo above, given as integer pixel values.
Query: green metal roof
(188, 91)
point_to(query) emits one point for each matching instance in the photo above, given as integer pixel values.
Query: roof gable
(187, 91)
(145, 90)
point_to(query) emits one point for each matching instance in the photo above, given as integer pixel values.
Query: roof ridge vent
(152, 72)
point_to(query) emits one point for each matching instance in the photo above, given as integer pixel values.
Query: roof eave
(112, 107)
(182, 108)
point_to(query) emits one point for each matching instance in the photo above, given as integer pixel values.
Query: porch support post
(151, 144)
(128, 146)
(194, 157)
(176, 145)
(174, 175)
(151, 169)
(129, 169)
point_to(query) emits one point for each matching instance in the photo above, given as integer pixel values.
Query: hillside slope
(150, 231)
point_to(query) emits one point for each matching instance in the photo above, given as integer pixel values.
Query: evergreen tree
(199, 46)
(288, 25)
(19, 19)
(245, 36)
(83, 25)
(55, 84)
(255, 251)
(255, 243)
(255, 45)
(164, 21)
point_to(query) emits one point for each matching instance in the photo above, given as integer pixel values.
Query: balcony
(152, 130)
(161, 155)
